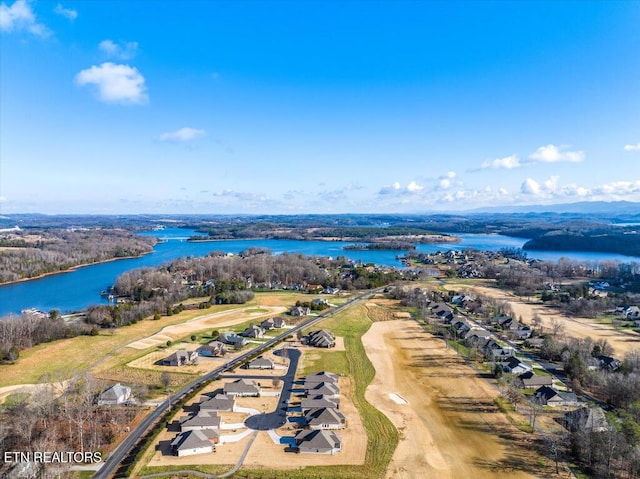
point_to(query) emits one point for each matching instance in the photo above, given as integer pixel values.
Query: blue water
(80, 288)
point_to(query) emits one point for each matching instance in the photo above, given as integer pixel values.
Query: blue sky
(316, 107)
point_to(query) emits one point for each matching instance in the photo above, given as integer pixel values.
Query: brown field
(217, 320)
(450, 426)
(621, 341)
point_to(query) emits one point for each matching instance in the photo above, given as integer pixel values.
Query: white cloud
(619, 188)
(66, 12)
(183, 134)
(508, 162)
(445, 183)
(414, 187)
(20, 17)
(635, 147)
(121, 51)
(530, 187)
(552, 183)
(115, 83)
(554, 154)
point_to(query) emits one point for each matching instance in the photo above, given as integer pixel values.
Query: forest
(35, 252)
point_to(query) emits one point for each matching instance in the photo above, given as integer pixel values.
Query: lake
(80, 288)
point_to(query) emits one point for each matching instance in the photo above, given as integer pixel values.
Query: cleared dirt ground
(621, 341)
(450, 427)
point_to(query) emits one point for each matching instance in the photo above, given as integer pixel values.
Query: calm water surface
(77, 290)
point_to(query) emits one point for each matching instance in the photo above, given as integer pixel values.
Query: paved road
(278, 417)
(127, 445)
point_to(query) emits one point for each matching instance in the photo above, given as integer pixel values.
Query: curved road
(127, 445)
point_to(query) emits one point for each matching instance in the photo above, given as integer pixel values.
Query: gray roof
(321, 377)
(220, 402)
(191, 440)
(323, 389)
(318, 440)
(318, 402)
(324, 415)
(201, 420)
(261, 362)
(115, 392)
(242, 386)
(530, 379)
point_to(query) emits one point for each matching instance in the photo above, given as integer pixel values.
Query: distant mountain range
(600, 208)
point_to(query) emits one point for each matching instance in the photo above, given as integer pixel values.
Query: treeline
(22, 332)
(382, 246)
(37, 252)
(601, 241)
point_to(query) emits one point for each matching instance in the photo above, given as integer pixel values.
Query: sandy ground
(621, 341)
(58, 388)
(450, 427)
(223, 318)
(264, 453)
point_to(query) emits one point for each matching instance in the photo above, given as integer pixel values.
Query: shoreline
(70, 270)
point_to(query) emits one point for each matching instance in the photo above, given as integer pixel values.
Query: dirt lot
(224, 318)
(450, 427)
(621, 341)
(264, 453)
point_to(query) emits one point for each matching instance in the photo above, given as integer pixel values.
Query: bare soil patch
(450, 427)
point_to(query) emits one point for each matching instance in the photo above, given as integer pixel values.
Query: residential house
(322, 377)
(219, 402)
(116, 394)
(531, 380)
(180, 358)
(242, 387)
(442, 311)
(321, 339)
(632, 313)
(325, 418)
(261, 363)
(267, 324)
(587, 419)
(331, 290)
(608, 363)
(212, 349)
(199, 421)
(190, 443)
(548, 396)
(253, 332)
(534, 342)
(318, 442)
(229, 337)
(328, 390)
(300, 311)
(514, 366)
(318, 402)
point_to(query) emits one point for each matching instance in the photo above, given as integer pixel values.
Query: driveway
(277, 418)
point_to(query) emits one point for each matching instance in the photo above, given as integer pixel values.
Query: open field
(622, 341)
(213, 320)
(449, 426)
(105, 351)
